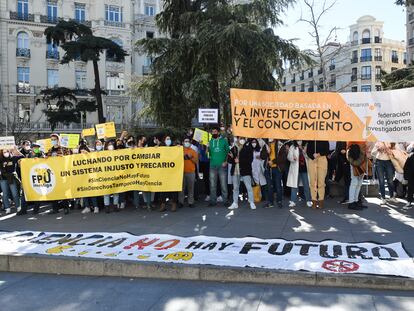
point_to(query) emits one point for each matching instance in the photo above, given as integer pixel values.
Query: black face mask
(215, 136)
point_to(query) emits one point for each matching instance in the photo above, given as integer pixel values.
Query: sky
(342, 15)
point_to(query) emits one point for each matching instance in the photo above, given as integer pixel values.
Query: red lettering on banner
(141, 244)
(160, 246)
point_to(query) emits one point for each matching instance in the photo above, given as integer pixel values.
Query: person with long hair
(356, 156)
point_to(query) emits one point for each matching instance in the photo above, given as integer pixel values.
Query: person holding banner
(115, 197)
(277, 162)
(8, 177)
(190, 168)
(171, 196)
(317, 152)
(382, 152)
(241, 158)
(218, 150)
(298, 173)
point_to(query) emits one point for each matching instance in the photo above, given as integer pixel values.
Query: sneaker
(252, 206)
(86, 210)
(344, 202)
(309, 204)
(233, 206)
(96, 210)
(383, 202)
(207, 199)
(409, 204)
(269, 205)
(393, 200)
(8, 210)
(292, 204)
(219, 199)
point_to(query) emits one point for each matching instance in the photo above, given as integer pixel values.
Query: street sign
(207, 115)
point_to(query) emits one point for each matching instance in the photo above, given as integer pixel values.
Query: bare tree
(327, 51)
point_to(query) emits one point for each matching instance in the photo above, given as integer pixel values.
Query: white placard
(300, 255)
(207, 115)
(7, 142)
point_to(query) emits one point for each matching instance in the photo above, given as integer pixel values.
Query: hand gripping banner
(101, 173)
(375, 116)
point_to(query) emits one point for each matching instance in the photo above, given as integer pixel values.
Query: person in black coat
(409, 175)
(342, 169)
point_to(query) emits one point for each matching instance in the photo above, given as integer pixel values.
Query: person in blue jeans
(277, 162)
(8, 173)
(298, 173)
(218, 149)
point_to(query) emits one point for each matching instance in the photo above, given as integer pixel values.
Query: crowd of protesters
(230, 169)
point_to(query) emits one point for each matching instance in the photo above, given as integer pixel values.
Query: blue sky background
(342, 15)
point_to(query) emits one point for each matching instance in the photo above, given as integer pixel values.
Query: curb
(131, 269)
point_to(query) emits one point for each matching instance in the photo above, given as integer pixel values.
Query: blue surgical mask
(54, 143)
(187, 145)
(98, 148)
(168, 142)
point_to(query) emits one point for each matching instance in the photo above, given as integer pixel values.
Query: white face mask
(299, 142)
(75, 151)
(271, 140)
(254, 145)
(110, 147)
(242, 141)
(27, 148)
(187, 145)
(168, 142)
(235, 140)
(99, 148)
(6, 154)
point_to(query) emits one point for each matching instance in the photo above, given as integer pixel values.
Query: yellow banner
(201, 136)
(299, 116)
(88, 132)
(105, 130)
(45, 144)
(69, 140)
(100, 173)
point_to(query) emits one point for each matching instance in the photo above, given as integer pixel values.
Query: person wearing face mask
(110, 146)
(172, 196)
(241, 158)
(142, 141)
(190, 168)
(218, 149)
(277, 163)
(258, 167)
(26, 149)
(8, 177)
(298, 173)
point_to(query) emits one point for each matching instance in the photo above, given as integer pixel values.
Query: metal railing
(21, 16)
(354, 77)
(354, 60)
(366, 58)
(23, 52)
(366, 40)
(114, 24)
(378, 58)
(52, 55)
(48, 19)
(24, 88)
(366, 77)
(355, 42)
(394, 60)
(377, 40)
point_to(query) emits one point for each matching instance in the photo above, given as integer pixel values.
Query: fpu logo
(42, 179)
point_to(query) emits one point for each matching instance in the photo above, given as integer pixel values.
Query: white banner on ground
(326, 256)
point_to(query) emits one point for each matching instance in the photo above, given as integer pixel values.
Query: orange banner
(299, 116)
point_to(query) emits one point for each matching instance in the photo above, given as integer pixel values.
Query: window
(80, 79)
(113, 13)
(354, 57)
(293, 88)
(366, 36)
(405, 57)
(79, 12)
(22, 9)
(366, 72)
(52, 52)
(366, 52)
(149, 10)
(378, 72)
(302, 87)
(378, 52)
(110, 56)
(52, 78)
(365, 88)
(150, 35)
(355, 37)
(394, 56)
(52, 11)
(378, 88)
(22, 40)
(115, 81)
(23, 75)
(354, 89)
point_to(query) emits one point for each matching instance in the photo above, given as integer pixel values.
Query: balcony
(311, 89)
(52, 55)
(146, 70)
(24, 88)
(48, 19)
(354, 43)
(81, 92)
(114, 24)
(86, 23)
(354, 77)
(377, 40)
(366, 77)
(378, 58)
(115, 92)
(366, 40)
(394, 59)
(22, 52)
(310, 74)
(332, 67)
(366, 58)
(354, 60)
(21, 17)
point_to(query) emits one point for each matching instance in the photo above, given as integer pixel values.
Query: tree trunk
(98, 94)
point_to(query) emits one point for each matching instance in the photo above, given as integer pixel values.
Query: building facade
(28, 64)
(410, 33)
(355, 66)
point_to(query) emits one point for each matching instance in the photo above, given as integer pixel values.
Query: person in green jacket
(218, 149)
